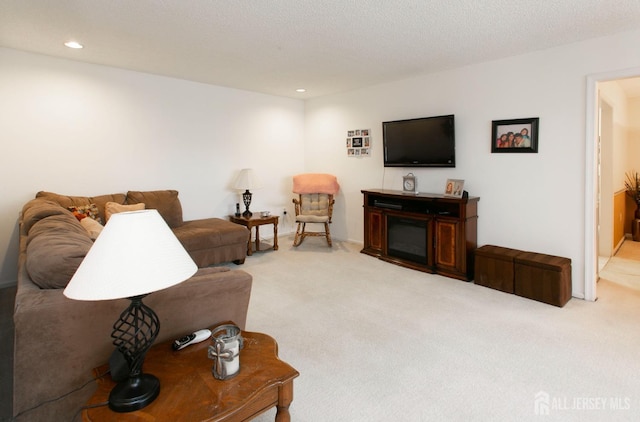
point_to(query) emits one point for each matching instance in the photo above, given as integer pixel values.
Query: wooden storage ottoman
(494, 267)
(544, 278)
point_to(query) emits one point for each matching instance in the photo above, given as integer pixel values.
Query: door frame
(591, 176)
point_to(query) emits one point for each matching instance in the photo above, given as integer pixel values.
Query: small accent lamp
(135, 254)
(246, 180)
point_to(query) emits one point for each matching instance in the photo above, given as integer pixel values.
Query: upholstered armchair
(314, 204)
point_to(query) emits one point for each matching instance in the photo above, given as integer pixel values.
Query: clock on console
(409, 183)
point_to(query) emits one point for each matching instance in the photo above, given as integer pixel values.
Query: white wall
(528, 201)
(613, 94)
(82, 129)
(633, 156)
(614, 158)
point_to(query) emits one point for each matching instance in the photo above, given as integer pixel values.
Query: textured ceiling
(325, 46)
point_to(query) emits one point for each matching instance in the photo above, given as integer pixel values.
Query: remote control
(193, 338)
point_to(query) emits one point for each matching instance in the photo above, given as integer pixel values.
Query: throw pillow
(92, 227)
(114, 208)
(82, 211)
(68, 201)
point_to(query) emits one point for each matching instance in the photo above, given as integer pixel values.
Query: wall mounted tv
(423, 142)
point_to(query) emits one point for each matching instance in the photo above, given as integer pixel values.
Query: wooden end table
(257, 221)
(189, 392)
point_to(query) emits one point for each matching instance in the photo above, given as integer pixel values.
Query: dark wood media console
(427, 232)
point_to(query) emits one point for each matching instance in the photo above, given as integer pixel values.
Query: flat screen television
(423, 142)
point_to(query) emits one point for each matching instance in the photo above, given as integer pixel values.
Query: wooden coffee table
(189, 392)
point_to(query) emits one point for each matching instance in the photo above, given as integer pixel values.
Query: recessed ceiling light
(301, 90)
(73, 44)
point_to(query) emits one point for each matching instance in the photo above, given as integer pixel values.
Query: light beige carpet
(378, 342)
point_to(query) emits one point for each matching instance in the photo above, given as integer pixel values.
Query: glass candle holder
(225, 351)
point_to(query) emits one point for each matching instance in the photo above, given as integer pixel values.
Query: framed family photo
(517, 135)
(454, 188)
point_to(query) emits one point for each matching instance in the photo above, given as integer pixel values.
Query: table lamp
(135, 254)
(246, 180)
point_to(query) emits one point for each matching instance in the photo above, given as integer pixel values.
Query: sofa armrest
(212, 296)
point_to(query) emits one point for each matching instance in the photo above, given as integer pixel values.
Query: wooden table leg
(285, 397)
(275, 236)
(257, 238)
(249, 248)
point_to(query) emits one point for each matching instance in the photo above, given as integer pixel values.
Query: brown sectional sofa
(59, 341)
(209, 241)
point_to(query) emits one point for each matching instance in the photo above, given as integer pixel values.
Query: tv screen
(423, 142)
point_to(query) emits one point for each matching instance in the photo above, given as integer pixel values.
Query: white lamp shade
(247, 180)
(135, 254)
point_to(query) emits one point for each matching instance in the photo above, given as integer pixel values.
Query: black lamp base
(246, 198)
(134, 393)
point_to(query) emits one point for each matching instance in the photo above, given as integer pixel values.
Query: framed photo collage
(359, 143)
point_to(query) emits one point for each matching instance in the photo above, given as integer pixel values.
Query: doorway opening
(594, 168)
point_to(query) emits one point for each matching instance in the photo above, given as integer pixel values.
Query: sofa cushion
(67, 201)
(113, 208)
(37, 209)
(165, 201)
(210, 233)
(55, 248)
(61, 223)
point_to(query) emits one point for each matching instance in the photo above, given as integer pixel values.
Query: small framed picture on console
(454, 187)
